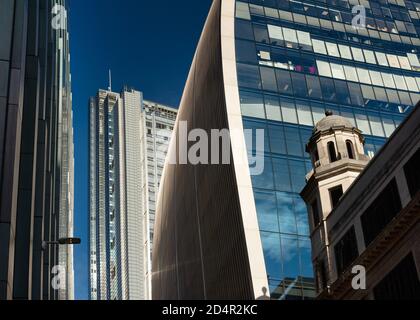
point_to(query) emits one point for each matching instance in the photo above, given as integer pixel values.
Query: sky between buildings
(148, 45)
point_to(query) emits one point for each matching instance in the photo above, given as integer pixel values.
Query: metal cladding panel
(200, 249)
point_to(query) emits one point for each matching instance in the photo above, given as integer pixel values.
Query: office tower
(370, 238)
(36, 150)
(276, 66)
(128, 144)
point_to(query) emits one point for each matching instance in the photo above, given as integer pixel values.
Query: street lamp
(61, 242)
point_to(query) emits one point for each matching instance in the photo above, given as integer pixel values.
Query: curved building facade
(223, 232)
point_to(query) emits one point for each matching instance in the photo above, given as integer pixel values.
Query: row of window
(303, 40)
(379, 214)
(377, 28)
(371, 6)
(361, 75)
(308, 86)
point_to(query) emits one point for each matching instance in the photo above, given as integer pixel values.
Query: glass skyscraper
(281, 64)
(128, 142)
(296, 59)
(36, 150)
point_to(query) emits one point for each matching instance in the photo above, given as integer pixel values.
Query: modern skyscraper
(275, 65)
(36, 150)
(128, 142)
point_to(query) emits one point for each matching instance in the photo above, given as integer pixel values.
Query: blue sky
(148, 45)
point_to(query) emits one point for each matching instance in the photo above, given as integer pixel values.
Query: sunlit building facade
(128, 142)
(36, 151)
(282, 64)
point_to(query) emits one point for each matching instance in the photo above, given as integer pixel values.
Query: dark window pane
(244, 30)
(342, 91)
(284, 82)
(299, 85)
(346, 251)
(412, 173)
(381, 212)
(336, 194)
(315, 213)
(314, 88)
(246, 52)
(277, 139)
(261, 34)
(249, 76)
(402, 283)
(332, 152)
(328, 89)
(294, 145)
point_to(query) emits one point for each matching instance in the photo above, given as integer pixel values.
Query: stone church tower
(337, 152)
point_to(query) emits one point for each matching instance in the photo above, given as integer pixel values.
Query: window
(328, 89)
(332, 152)
(244, 30)
(345, 52)
(261, 34)
(382, 60)
(294, 146)
(288, 111)
(252, 105)
(388, 80)
(267, 211)
(246, 52)
(380, 213)
(304, 114)
(277, 139)
(284, 82)
(411, 84)
(337, 71)
(268, 79)
(242, 10)
(315, 213)
(402, 283)
(404, 62)
(314, 88)
(299, 85)
(249, 76)
(376, 78)
(363, 75)
(290, 35)
(346, 251)
(342, 92)
(336, 194)
(324, 68)
(370, 56)
(351, 74)
(275, 32)
(332, 49)
(272, 108)
(400, 82)
(358, 54)
(393, 60)
(304, 38)
(319, 46)
(412, 173)
(350, 149)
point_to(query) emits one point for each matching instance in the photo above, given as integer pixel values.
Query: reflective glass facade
(295, 60)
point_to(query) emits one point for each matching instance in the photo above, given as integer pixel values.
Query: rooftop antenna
(110, 80)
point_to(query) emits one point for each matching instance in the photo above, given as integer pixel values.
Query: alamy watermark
(359, 280)
(59, 19)
(214, 147)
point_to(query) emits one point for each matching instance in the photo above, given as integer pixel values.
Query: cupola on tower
(337, 152)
